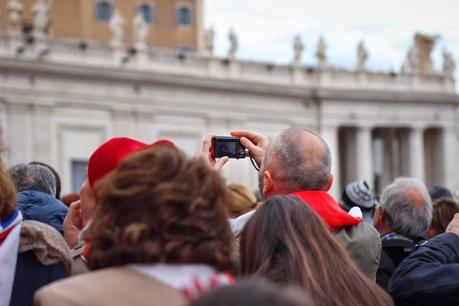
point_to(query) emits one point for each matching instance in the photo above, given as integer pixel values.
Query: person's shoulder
(363, 231)
(47, 243)
(77, 290)
(107, 287)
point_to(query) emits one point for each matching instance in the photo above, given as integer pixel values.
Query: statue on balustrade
(321, 54)
(14, 9)
(298, 48)
(116, 24)
(209, 41)
(40, 12)
(141, 31)
(234, 45)
(449, 66)
(362, 57)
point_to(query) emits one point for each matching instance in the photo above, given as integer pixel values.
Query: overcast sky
(266, 28)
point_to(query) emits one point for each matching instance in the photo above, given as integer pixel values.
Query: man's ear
(268, 184)
(379, 218)
(330, 183)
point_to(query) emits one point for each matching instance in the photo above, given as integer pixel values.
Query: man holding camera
(298, 162)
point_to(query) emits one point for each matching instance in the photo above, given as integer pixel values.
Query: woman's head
(286, 242)
(242, 200)
(159, 206)
(444, 210)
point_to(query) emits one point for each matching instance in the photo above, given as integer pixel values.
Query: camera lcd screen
(226, 148)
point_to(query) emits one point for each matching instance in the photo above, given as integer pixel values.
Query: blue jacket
(42, 207)
(30, 276)
(430, 275)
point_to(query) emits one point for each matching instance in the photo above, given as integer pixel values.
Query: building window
(104, 10)
(184, 16)
(78, 174)
(148, 12)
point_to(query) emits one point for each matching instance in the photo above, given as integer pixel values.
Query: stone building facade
(59, 101)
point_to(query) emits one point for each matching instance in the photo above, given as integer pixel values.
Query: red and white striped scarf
(10, 232)
(190, 279)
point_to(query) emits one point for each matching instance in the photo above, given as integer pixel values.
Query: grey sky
(266, 28)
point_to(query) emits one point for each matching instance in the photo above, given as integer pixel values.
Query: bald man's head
(298, 160)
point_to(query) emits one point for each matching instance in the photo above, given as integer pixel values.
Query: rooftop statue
(116, 25)
(209, 41)
(141, 31)
(40, 11)
(298, 48)
(234, 45)
(14, 10)
(411, 63)
(449, 66)
(321, 54)
(362, 57)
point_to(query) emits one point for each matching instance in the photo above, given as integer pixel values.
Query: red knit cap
(109, 155)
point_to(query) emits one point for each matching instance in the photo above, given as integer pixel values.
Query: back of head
(444, 210)
(159, 206)
(359, 194)
(241, 200)
(33, 177)
(286, 242)
(112, 152)
(254, 293)
(56, 177)
(299, 160)
(408, 206)
(438, 192)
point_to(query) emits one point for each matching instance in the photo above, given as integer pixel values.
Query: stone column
(450, 151)
(330, 134)
(364, 155)
(416, 153)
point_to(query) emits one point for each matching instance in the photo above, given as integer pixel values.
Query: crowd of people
(152, 226)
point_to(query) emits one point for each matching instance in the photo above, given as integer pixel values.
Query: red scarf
(327, 208)
(5, 233)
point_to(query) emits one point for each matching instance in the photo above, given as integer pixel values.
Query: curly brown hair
(160, 206)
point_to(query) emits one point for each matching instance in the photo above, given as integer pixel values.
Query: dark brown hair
(286, 242)
(159, 206)
(444, 210)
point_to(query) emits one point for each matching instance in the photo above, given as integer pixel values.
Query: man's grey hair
(297, 169)
(33, 177)
(409, 212)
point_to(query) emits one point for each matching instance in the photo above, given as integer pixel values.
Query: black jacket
(393, 251)
(30, 276)
(430, 275)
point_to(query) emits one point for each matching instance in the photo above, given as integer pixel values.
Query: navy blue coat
(30, 276)
(42, 207)
(430, 275)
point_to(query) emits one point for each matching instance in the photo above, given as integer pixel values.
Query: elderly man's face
(88, 202)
